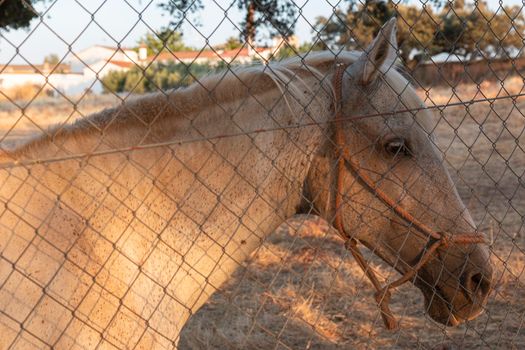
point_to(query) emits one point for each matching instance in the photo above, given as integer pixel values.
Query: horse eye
(397, 146)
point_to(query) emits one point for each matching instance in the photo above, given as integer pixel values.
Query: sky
(77, 24)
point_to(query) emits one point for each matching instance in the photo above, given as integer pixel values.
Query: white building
(61, 78)
(85, 69)
(100, 53)
(82, 72)
(241, 55)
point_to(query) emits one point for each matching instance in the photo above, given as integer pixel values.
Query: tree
(357, 26)
(114, 81)
(332, 32)
(474, 29)
(365, 20)
(164, 39)
(416, 32)
(232, 43)
(289, 51)
(507, 30)
(17, 14)
(157, 76)
(458, 28)
(53, 62)
(276, 16)
(360, 24)
(451, 36)
(52, 59)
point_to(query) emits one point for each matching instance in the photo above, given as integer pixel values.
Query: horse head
(386, 133)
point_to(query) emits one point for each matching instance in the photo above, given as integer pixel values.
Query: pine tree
(15, 14)
(276, 16)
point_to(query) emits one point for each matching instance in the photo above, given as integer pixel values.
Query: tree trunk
(250, 23)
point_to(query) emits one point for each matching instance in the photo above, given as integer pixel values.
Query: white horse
(116, 229)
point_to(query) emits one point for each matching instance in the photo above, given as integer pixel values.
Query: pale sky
(69, 23)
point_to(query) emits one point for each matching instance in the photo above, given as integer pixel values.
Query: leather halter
(436, 239)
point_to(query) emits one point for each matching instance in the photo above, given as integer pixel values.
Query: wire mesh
(166, 195)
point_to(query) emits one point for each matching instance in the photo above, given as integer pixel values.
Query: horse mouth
(440, 308)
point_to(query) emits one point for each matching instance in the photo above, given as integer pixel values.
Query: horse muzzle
(460, 293)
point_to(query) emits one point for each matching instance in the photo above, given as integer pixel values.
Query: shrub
(157, 76)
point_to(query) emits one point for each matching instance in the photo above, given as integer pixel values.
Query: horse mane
(226, 86)
(223, 87)
(394, 74)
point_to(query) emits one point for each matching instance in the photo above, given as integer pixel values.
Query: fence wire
(180, 195)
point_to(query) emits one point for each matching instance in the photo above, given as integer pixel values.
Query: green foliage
(164, 39)
(232, 43)
(276, 16)
(360, 24)
(455, 27)
(416, 30)
(15, 14)
(157, 76)
(179, 9)
(477, 30)
(52, 59)
(114, 81)
(288, 51)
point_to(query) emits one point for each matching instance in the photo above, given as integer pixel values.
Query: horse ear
(382, 52)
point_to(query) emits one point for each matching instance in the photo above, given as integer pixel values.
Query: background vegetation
(156, 76)
(469, 30)
(466, 29)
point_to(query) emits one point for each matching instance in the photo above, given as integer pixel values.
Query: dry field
(302, 290)
(22, 119)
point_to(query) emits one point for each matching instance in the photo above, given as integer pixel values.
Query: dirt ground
(302, 290)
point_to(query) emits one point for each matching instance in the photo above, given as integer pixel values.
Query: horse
(116, 228)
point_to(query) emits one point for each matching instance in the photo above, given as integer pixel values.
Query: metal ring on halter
(441, 239)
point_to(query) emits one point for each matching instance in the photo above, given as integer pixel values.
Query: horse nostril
(482, 283)
(478, 285)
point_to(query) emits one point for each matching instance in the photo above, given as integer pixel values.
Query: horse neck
(234, 171)
(275, 130)
(261, 124)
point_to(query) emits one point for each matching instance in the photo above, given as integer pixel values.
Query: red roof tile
(35, 68)
(123, 64)
(226, 55)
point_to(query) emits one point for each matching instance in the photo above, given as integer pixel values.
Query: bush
(114, 81)
(157, 76)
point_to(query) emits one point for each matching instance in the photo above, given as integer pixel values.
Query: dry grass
(25, 118)
(301, 289)
(24, 92)
(443, 95)
(314, 296)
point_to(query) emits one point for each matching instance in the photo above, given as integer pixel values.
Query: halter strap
(437, 239)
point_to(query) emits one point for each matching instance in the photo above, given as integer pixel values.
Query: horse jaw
(437, 306)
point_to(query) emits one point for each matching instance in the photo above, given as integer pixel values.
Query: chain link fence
(204, 188)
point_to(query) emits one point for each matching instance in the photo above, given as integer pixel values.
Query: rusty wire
(20, 281)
